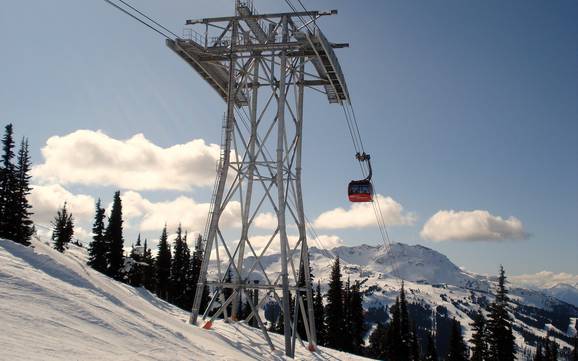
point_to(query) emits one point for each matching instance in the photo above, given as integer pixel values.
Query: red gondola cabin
(360, 191)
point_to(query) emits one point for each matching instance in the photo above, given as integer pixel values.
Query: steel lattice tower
(260, 64)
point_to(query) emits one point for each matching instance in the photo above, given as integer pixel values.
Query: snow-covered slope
(53, 307)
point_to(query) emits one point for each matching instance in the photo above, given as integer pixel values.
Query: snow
(54, 307)
(572, 330)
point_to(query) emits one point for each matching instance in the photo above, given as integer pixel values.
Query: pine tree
(334, 309)
(319, 311)
(135, 274)
(148, 269)
(405, 322)
(432, 353)
(303, 296)
(479, 338)
(97, 250)
(62, 229)
(193, 277)
(500, 335)
(539, 355)
(415, 351)
(114, 240)
(553, 347)
(376, 348)
(179, 269)
(163, 266)
(550, 350)
(347, 327)
(397, 343)
(7, 186)
(457, 348)
(24, 227)
(357, 321)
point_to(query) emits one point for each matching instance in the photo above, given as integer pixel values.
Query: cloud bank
(151, 216)
(545, 279)
(47, 200)
(477, 225)
(93, 158)
(361, 215)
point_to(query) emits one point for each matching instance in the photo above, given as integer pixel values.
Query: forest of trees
(171, 274)
(340, 319)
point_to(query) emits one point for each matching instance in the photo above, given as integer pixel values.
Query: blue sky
(463, 105)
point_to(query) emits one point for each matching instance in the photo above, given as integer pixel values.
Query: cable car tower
(260, 65)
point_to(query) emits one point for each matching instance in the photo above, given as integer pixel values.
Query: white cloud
(84, 235)
(325, 241)
(477, 225)
(266, 220)
(258, 242)
(152, 216)
(361, 215)
(46, 200)
(93, 158)
(545, 279)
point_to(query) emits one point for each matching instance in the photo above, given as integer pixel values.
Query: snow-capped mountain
(438, 289)
(565, 292)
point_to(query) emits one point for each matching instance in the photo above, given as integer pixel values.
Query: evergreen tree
(163, 266)
(114, 240)
(193, 277)
(457, 348)
(319, 316)
(547, 350)
(62, 229)
(415, 351)
(7, 186)
(397, 342)
(550, 350)
(179, 270)
(97, 250)
(357, 321)
(405, 322)
(539, 355)
(500, 334)
(395, 347)
(376, 348)
(136, 273)
(24, 227)
(432, 353)
(347, 328)
(553, 348)
(303, 295)
(148, 269)
(479, 338)
(334, 309)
